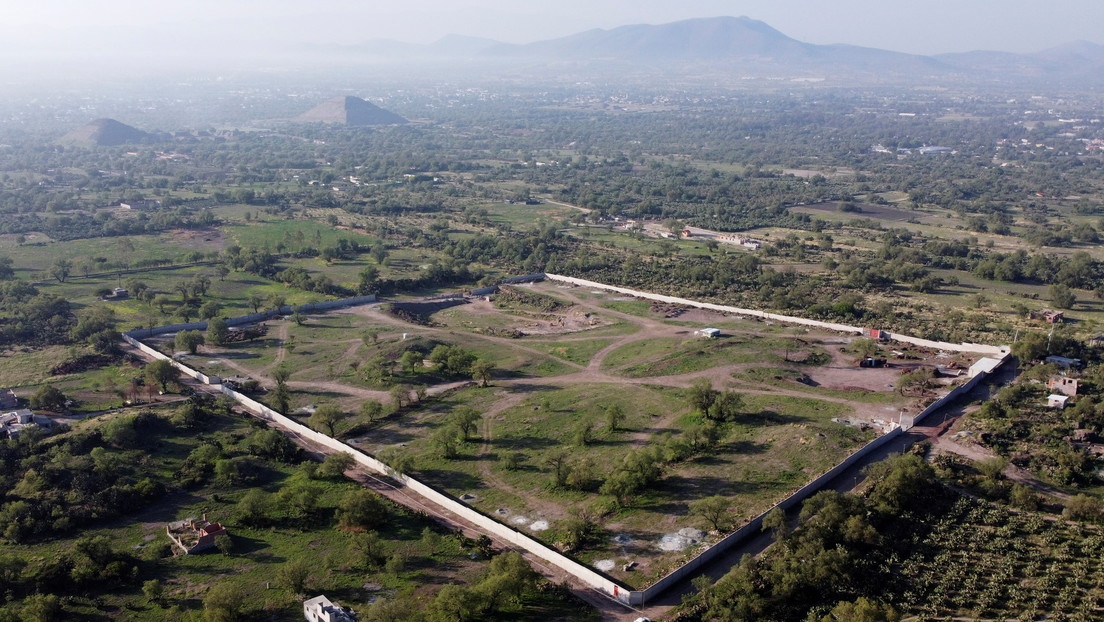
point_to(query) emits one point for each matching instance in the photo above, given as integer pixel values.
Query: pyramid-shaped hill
(105, 133)
(350, 110)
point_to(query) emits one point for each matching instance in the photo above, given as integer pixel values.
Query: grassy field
(546, 387)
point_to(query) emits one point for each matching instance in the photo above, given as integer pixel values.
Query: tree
(400, 395)
(41, 608)
(713, 510)
(48, 397)
(335, 465)
(702, 394)
(210, 309)
(614, 416)
(372, 410)
(61, 269)
(558, 462)
(775, 522)
(584, 434)
(217, 331)
(253, 508)
(276, 302)
(327, 416)
(482, 370)
(1061, 296)
(862, 610)
(466, 419)
(294, 575)
(255, 302)
(161, 301)
(298, 318)
(161, 372)
(224, 543)
(409, 361)
(446, 441)
(361, 509)
(726, 406)
(455, 603)
(189, 340)
(371, 549)
(223, 603)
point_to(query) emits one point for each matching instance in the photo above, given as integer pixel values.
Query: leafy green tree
(189, 340)
(224, 543)
(725, 407)
(217, 331)
(1061, 296)
(41, 608)
(615, 415)
(361, 509)
(224, 602)
(446, 441)
(702, 394)
(371, 548)
(327, 416)
(210, 309)
(862, 610)
(557, 460)
(372, 410)
(713, 510)
(253, 508)
(482, 370)
(409, 361)
(334, 465)
(48, 397)
(455, 603)
(161, 372)
(255, 301)
(466, 419)
(294, 575)
(61, 269)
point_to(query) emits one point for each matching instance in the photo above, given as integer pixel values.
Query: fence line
(581, 572)
(844, 328)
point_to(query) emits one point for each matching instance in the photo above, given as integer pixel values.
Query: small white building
(709, 333)
(984, 364)
(1054, 400)
(320, 609)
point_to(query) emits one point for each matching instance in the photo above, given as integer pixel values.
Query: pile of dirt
(514, 298)
(669, 310)
(82, 363)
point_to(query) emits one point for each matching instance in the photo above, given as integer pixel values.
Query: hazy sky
(58, 27)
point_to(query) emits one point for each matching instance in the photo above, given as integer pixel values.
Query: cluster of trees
(837, 561)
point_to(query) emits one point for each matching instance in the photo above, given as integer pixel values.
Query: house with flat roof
(320, 609)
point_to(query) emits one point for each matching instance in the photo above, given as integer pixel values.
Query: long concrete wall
(843, 328)
(509, 534)
(521, 540)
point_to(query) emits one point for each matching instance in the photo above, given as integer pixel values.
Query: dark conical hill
(350, 110)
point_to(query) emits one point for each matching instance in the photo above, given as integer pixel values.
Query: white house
(1055, 400)
(320, 609)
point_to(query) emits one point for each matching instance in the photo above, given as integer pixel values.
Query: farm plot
(592, 433)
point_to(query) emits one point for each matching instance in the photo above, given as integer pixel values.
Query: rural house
(1055, 400)
(14, 422)
(320, 609)
(1063, 385)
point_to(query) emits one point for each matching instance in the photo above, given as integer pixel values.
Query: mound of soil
(82, 363)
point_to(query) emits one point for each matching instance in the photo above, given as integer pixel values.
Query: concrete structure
(14, 422)
(1055, 400)
(1064, 362)
(984, 365)
(194, 536)
(1063, 385)
(320, 609)
(710, 333)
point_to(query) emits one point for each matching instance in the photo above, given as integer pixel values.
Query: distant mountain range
(741, 43)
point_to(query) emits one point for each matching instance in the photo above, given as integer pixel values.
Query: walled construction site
(813, 409)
